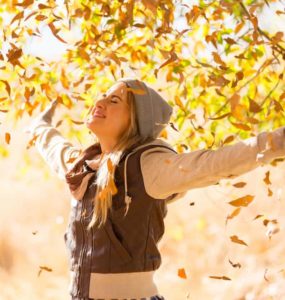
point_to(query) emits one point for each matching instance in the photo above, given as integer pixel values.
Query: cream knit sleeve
(165, 172)
(53, 147)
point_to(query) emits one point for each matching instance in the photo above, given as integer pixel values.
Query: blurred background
(35, 204)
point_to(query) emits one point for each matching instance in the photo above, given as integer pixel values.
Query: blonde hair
(105, 174)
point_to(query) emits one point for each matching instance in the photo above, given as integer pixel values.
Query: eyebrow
(112, 96)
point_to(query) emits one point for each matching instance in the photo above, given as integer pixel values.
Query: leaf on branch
(19, 16)
(25, 3)
(43, 6)
(220, 117)
(173, 57)
(242, 126)
(30, 15)
(41, 17)
(218, 59)
(14, 54)
(239, 27)
(253, 106)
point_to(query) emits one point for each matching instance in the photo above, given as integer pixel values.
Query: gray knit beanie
(152, 111)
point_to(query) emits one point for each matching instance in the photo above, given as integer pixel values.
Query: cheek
(124, 123)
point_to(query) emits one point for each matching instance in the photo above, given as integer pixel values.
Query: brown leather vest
(123, 244)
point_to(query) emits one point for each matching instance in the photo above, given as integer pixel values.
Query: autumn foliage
(214, 61)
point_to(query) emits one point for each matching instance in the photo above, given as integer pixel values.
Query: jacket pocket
(120, 249)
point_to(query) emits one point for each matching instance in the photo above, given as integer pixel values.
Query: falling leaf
(7, 86)
(220, 277)
(257, 217)
(233, 214)
(243, 201)
(137, 91)
(266, 222)
(7, 137)
(280, 12)
(239, 184)
(77, 122)
(264, 276)
(32, 141)
(55, 31)
(269, 192)
(228, 139)
(44, 268)
(237, 265)
(235, 239)
(172, 126)
(58, 123)
(181, 273)
(266, 179)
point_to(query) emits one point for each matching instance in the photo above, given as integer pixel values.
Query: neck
(107, 146)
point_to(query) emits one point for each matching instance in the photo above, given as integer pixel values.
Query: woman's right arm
(57, 152)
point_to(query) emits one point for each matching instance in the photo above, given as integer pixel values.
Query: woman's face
(109, 117)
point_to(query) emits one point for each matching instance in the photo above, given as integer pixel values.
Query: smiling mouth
(98, 116)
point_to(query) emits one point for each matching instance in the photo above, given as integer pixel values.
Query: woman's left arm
(52, 146)
(166, 173)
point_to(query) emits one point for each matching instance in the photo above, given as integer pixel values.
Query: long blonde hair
(105, 174)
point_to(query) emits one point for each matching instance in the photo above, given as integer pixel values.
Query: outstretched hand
(48, 113)
(45, 116)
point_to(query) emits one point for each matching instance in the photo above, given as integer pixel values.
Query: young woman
(121, 185)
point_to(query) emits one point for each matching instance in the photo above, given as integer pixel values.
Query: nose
(99, 104)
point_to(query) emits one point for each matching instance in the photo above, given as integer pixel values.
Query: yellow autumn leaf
(243, 201)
